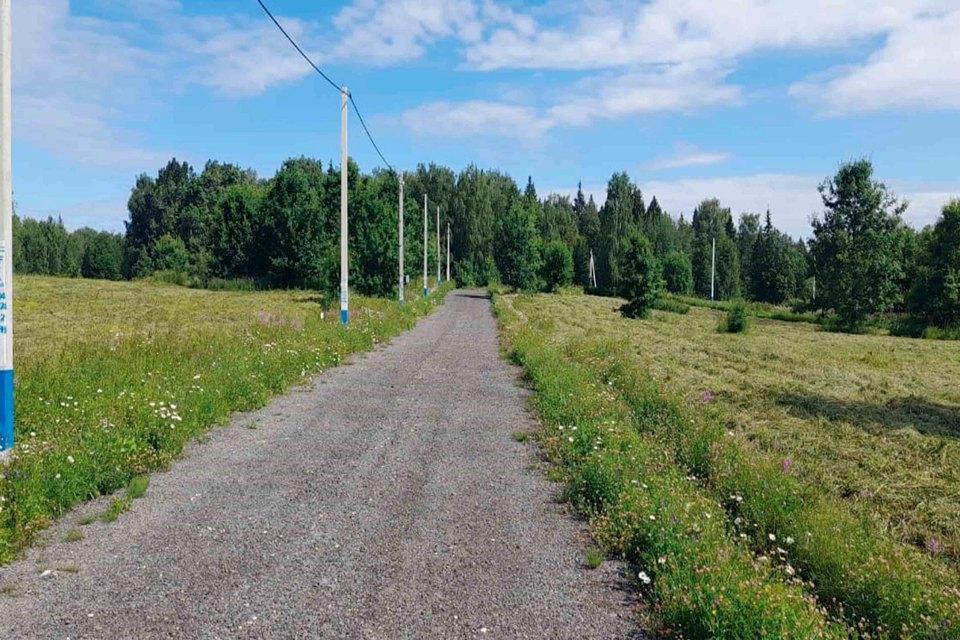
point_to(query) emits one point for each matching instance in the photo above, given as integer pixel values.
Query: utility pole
(401, 238)
(344, 256)
(6, 231)
(425, 245)
(448, 251)
(438, 247)
(713, 268)
(814, 287)
(593, 271)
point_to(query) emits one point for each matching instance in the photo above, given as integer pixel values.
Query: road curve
(387, 501)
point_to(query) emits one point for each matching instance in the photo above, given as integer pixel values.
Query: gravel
(388, 500)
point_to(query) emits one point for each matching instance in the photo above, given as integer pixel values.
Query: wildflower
(570, 438)
(196, 377)
(789, 540)
(644, 578)
(772, 537)
(786, 466)
(743, 535)
(866, 493)
(653, 517)
(790, 571)
(33, 434)
(70, 459)
(781, 551)
(707, 396)
(933, 546)
(56, 477)
(662, 560)
(99, 390)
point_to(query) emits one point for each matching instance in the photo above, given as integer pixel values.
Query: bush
(557, 266)
(678, 273)
(642, 278)
(101, 258)
(672, 306)
(737, 320)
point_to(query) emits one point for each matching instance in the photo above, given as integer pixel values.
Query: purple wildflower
(933, 546)
(707, 396)
(786, 466)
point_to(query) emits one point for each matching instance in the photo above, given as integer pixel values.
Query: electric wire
(327, 78)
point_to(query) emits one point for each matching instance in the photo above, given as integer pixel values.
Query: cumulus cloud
(688, 155)
(915, 69)
(476, 117)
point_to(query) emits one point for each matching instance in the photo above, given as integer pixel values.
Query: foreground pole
(438, 247)
(344, 256)
(425, 245)
(448, 252)
(401, 238)
(6, 232)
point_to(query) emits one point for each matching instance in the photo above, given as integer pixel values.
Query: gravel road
(387, 501)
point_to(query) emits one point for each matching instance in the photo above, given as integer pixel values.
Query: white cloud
(105, 215)
(792, 198)
(687, 155)
(475, 117)
(916, 69)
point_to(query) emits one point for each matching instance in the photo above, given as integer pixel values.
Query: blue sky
(751, 101)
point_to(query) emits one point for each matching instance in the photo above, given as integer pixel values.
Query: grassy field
(830, 457)
(114, 378)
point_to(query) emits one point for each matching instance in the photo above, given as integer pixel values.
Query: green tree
(678, 273)
(856, 245)
(712, 222)
(101, 258)
(616, 226)
(642, 277)
(747, 231)
(557, 265)
(774, 269)
(518, 249)
(935, 299)
(238, 211)
(169, 253)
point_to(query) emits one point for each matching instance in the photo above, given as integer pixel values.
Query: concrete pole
(6, 231)
(438, 247)
(425, 245)
(814, 287)
(401, 238)
(713, 268)
(344, 165)
(448, 252)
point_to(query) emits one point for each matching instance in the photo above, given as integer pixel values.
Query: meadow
(821, 466)
(114, 378)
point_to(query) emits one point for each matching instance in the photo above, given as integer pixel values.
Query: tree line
(226, 222)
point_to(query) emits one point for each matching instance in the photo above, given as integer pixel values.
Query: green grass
(114, 378)
(90, 518)
(652, 424)
(118, 507)
(74, 535)
(520, 436)
(138, 486)
(68, 568)
(736, 321)
(594, 558)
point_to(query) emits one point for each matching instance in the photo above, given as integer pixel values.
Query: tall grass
(94, 414)
(701, 581)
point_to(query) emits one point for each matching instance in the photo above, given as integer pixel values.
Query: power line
(332, 83)
(368, 132)
(297, 47)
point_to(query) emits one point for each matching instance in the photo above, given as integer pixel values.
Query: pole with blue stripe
(6, 232)
(425, 245)
(438, 247)
(401, 238)
(344, 256)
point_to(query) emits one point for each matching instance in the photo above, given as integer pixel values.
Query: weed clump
(737, 320)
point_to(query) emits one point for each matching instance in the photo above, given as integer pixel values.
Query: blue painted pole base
(425, 292)
(6, 409)
(343, 316)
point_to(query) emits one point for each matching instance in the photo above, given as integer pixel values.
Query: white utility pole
(425, 245)
(814, 287)
(401, 238)
(713, 268)
(344, 256)
(438, 246)
(593, 271)
(448, 252)
(6, 231)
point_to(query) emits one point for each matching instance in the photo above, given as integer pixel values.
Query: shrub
(557, 266)
(678, 273)
(642, 278)
(737, 320)
(101, 258)
(672, 306)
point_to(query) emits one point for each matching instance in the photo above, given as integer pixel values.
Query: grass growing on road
(114, 378)
(686, 454)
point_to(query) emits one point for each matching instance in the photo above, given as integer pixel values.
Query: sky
(754, 102)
